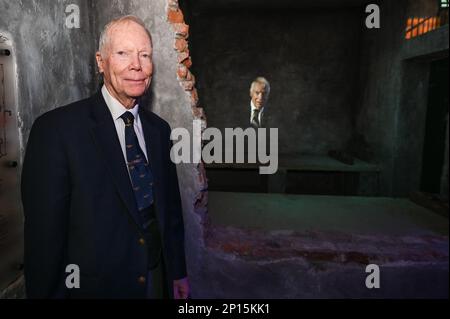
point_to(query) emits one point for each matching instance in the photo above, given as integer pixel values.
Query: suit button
(141, 280)
(142, 241)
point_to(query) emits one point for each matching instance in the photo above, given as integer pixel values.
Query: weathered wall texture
(311, 59)
(392, 106)
(54, 63)
(54, 67)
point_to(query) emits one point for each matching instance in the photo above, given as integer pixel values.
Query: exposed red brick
(189, 75)
(175, 16)
(239, 248)
(181, 29)
(194, 97)
(188, 62)
(181, 45)
(187, 85)
(173, 4)
(182, 71)
(198, 112)
(187, 80)
(183, 56)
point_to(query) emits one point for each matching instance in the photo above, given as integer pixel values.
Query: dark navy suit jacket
(80, 209)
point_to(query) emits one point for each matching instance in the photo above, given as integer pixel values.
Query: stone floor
(295, 246)
(356, 215)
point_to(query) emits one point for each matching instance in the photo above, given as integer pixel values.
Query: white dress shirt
(261, 111)
(117, 109)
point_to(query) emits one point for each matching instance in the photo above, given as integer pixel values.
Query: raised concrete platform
(291, 246)
(300, 174)
(352, 214)
(307, 163)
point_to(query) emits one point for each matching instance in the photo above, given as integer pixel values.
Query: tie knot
(128, 118)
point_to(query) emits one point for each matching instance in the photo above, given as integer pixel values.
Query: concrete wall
(311, 59)
(392, 105)
(53, 66)
(54, 63)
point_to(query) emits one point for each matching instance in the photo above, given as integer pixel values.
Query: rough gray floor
(359, 215)
(294, 246)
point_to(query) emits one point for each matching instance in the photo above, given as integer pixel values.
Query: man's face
(259, 95)
(126, 62)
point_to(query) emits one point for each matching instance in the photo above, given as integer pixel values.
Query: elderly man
(99, 191)
(259, 94)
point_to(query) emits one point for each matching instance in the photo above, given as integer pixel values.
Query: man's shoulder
(68, 113)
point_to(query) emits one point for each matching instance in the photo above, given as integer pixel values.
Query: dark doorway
(437, 110)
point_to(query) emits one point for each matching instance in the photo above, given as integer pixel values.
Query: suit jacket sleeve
(45, 196)
(175, 224)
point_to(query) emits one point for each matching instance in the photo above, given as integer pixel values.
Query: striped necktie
(140, 173)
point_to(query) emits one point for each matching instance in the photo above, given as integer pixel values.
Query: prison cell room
(362, 172)
(360, 103)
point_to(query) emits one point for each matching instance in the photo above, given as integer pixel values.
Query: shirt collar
(115, 107)
(253, 107)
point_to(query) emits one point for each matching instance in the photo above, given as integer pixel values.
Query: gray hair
(104, 35)
(260, 80)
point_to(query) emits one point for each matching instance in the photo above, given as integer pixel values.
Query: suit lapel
(153, 146)
(105, 136)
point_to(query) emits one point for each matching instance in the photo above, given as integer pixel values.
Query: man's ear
(100, 62)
